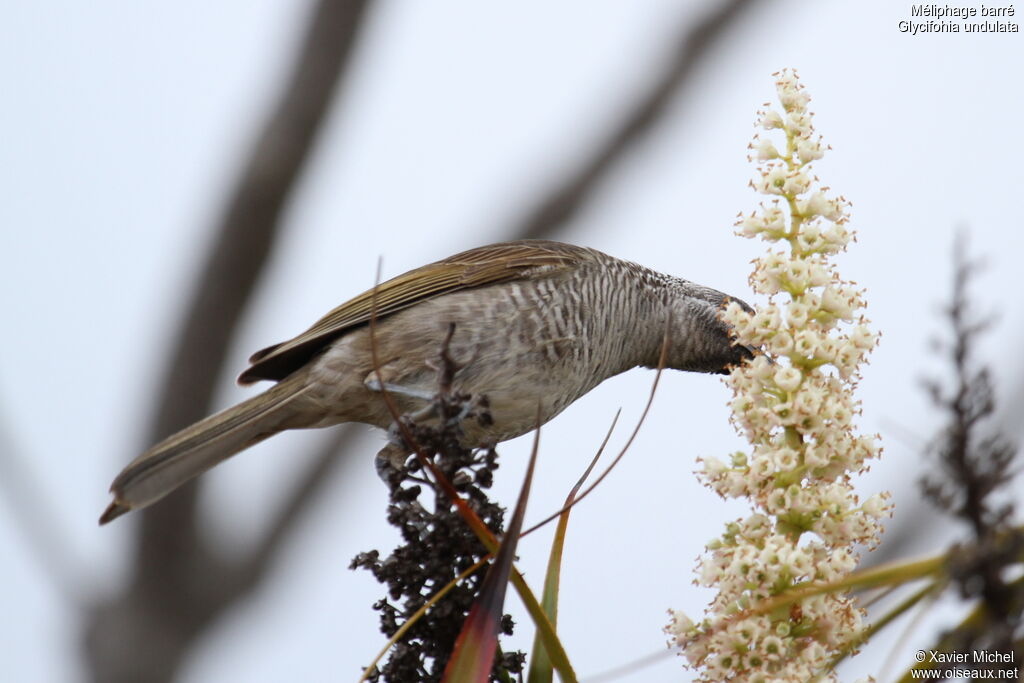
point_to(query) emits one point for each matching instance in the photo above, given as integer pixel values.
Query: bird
(532, 325)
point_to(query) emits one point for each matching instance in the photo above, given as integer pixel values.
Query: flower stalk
(794, 405)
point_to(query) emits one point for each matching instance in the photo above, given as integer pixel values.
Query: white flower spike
(797, 411)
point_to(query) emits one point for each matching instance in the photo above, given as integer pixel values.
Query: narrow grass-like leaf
(976, 620)
(473, 656)
(540, 664)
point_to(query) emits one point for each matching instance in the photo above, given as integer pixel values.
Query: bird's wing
(474, 268)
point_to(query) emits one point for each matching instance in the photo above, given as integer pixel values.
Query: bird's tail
(195, 449)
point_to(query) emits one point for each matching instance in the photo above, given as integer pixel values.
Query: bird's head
(699, 339)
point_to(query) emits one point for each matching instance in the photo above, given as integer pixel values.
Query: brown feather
(478, 267)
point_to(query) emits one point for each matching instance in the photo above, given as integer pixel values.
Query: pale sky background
(122, 126)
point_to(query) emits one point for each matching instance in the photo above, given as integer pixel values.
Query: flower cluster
(795, 406)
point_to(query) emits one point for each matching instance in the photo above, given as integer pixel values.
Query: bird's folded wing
(479, 267)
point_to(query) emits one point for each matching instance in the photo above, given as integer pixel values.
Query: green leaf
(541, 670)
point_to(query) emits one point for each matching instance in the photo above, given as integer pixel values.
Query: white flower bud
(682, 626)
(808, 401)
(819, 275)
(772, 180)
(713, 466)
(751, 226)
(877, 506)
(799, 124)
(810, 239)
(771, 119)
(791, 95)
(796, 182)
(797, 275)
(835, 302)
(788, 379)
(786, 459)
(809, 150)
(781, 343)
(806, 343)
(796, 314)
(817, 205)
(862, 337)
(765, 150)
(816, 456)
(762, 467)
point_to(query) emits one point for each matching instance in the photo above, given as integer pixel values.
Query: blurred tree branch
(970, 467)
(694, 43)
(915, 520)
(179, 585)
(39, 524)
